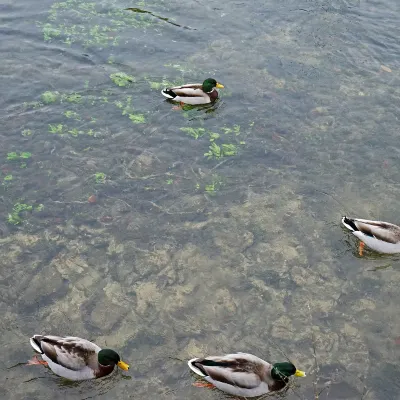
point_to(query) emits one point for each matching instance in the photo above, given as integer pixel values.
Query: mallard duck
(75, 358)
(194, 93)
(243, 374)
(380, 236)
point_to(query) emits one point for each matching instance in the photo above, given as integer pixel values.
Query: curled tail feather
(168, 93)
(349, 224)
(195, 368)
(36, 344)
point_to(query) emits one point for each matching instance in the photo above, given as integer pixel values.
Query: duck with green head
(194, 93)
(75, 358)
(243, 374)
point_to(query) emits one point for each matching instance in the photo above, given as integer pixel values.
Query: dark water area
(169, 234)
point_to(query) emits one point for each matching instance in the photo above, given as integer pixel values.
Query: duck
(380, 236)
(243, 374)
(74, 358)
(194, 93)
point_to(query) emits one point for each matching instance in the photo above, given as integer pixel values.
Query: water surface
(213, 229)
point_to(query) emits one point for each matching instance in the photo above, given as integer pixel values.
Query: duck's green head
(109, 357)
(210, 83)
(282, 371)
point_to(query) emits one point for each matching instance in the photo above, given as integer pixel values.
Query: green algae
(72, 98)
(14, 217)
(21, 211)
(122, 79)
(76, 108)
(63, 129)
(127, 109)
(194, 132)
(100, 177)
(137, 118)
(213, 185)
(7, 180)
(59, 128)
(21, 157)
(217, 148)
(90, 24)
(14, 156)
(72, 114)
(50, 97)
(224, 150)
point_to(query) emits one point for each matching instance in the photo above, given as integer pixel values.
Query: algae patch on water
(81, 113)
(100, 177)
(49, 97)
(91, 23)
(20, 212)
(21, 157)
(218, 148)
(122, 79)
(127, 109)
(225, 150)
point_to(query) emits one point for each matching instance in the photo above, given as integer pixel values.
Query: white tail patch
(194, 368)
(166, 94)
(35, 346)
(347, 225)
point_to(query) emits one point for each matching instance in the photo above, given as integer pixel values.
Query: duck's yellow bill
(300, 374)
(220, 85)
(123, 365)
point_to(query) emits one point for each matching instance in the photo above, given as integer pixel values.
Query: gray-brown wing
(188, 91)
(381, 230)
(236, 371)
(188, 86)
(70, 352)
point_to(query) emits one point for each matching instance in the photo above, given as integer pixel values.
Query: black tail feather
(37, 342)
(200, 367)
(169, 92)
(351, 223)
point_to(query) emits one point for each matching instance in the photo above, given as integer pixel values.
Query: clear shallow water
(181, 254)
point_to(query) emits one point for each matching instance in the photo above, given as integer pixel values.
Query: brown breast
(213, 95)
(103, 370)
(277, 385)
